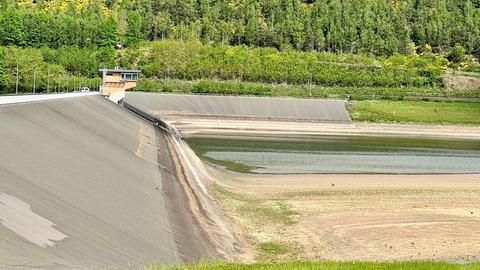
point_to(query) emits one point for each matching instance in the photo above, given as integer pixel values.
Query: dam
(258, 108)
(87, 184)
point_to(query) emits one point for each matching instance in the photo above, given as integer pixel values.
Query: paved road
(242, 107)
(84, 187)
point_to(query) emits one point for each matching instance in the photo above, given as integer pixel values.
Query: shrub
(192, 60)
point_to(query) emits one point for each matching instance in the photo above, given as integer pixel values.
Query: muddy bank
(352, 217)
(268, 183)
(186, 172)
(355, 217)
(199, 127)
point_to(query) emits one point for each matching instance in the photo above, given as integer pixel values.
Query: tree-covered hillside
(60, 45)
(380, 27)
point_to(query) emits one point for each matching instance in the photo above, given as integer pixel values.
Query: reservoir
(340, 155)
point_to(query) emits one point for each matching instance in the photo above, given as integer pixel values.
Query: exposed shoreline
(344, 217)
(355, 217)
(191, 126)
(273, 183)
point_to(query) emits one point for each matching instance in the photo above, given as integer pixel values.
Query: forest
(380, 27)
(354, 43)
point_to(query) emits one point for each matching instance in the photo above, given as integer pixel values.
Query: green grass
(273, 248)
(265, 216)
(327, 266)
(259, 210)
(275, 252)
(416, 111)
(229, 165)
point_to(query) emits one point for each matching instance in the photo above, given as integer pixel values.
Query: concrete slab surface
(318, 110)
(13, 99)
(82, 186)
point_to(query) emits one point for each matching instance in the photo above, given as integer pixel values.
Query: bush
(231, 88)
(457, 54)
(315, 91)
(153, 85)
(192, 61)
(44, 62)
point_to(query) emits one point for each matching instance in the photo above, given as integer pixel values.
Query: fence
(37, 80)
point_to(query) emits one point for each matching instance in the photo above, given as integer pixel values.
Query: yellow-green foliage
(193, 60)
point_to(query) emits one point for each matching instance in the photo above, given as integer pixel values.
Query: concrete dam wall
(241, 107)
(86, 184)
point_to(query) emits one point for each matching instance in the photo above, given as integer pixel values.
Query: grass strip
(327, 266)
(416, 112)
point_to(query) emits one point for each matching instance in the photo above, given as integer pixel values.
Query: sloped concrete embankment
(86, 184)
(254, 108)
(187, 170)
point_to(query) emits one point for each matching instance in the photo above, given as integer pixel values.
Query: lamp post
(48, 80)
(16, 84)
(34, 77)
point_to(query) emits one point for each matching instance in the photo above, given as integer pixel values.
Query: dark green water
(341, 154)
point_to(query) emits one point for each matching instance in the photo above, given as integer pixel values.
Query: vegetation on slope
(326, 266)
(212, 87)
(63, 70)
(86, 35)
(192, 60)
(264, 216)
(381, 27)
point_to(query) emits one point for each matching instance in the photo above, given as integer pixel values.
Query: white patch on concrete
(41, 97)
(117, 96)
(18, 216)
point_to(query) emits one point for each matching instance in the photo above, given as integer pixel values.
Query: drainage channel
(148, 117)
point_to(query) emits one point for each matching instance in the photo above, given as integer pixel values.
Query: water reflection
(340, 154)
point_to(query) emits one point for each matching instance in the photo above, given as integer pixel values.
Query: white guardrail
(4, 100)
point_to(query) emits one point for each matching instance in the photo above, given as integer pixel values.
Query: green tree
(11, 28)
(107, 32)
(134, 24)
(2, 71)
(457, 54)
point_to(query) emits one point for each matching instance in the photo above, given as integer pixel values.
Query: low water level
(341, 154)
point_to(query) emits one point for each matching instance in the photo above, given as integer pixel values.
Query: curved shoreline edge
(196, 126)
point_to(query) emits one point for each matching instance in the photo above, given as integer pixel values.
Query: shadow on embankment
(181, 169)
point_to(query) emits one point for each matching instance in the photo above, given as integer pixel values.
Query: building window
(129, 77)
